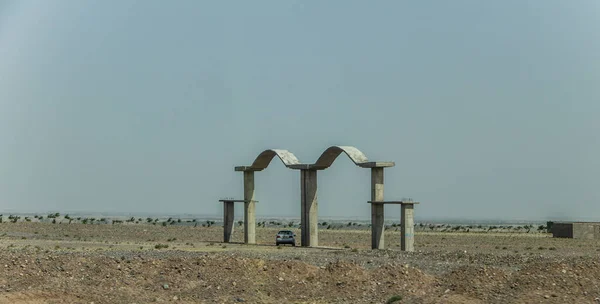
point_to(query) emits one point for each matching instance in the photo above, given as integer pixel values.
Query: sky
(488, 108)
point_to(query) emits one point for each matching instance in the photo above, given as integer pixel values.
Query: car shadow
(273, 245)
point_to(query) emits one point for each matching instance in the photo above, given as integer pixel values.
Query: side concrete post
(228, 215)
(407, 239)
(309, 206)
(377, 215)
(249, 209)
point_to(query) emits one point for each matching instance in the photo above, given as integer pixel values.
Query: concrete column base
(309, 206)
(377, 226)
(249, 209)
(377, 218)
(407, 238)
(228, 215)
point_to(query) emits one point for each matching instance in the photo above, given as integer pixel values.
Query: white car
(285, 237)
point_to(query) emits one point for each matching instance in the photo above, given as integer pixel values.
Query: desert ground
(141, 262)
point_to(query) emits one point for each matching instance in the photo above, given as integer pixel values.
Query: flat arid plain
(141, 262)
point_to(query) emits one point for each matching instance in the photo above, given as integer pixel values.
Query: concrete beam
(228, 216)
(321, 167)
(380, 164)
(377, 211)
(305, 167)
(309, 206)
(246, 168)
(407, 238)
(249, 209)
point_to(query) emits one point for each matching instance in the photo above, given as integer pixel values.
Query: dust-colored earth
(78, 263)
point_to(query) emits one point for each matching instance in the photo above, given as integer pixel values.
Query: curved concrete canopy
(263, 160)
(358, 158)
(330, 155)
(325, 161)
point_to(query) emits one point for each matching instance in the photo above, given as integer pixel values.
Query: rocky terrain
(142, 263)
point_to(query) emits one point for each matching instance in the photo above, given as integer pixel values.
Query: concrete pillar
(377, 216)
(407, 238)
(249, 209)
(227, 221)
(309, 206)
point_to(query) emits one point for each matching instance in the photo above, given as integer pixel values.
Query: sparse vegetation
(486, 249)
(541, 228)
(394, 299)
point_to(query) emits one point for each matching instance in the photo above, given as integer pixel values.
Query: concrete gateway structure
(308, 197)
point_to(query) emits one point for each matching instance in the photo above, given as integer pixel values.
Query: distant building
(576, 230)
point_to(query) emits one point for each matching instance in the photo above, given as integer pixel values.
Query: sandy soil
(77, 263)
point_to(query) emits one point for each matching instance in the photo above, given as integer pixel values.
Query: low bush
(394, 299)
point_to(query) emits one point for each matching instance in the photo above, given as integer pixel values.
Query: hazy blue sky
(490, 109)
